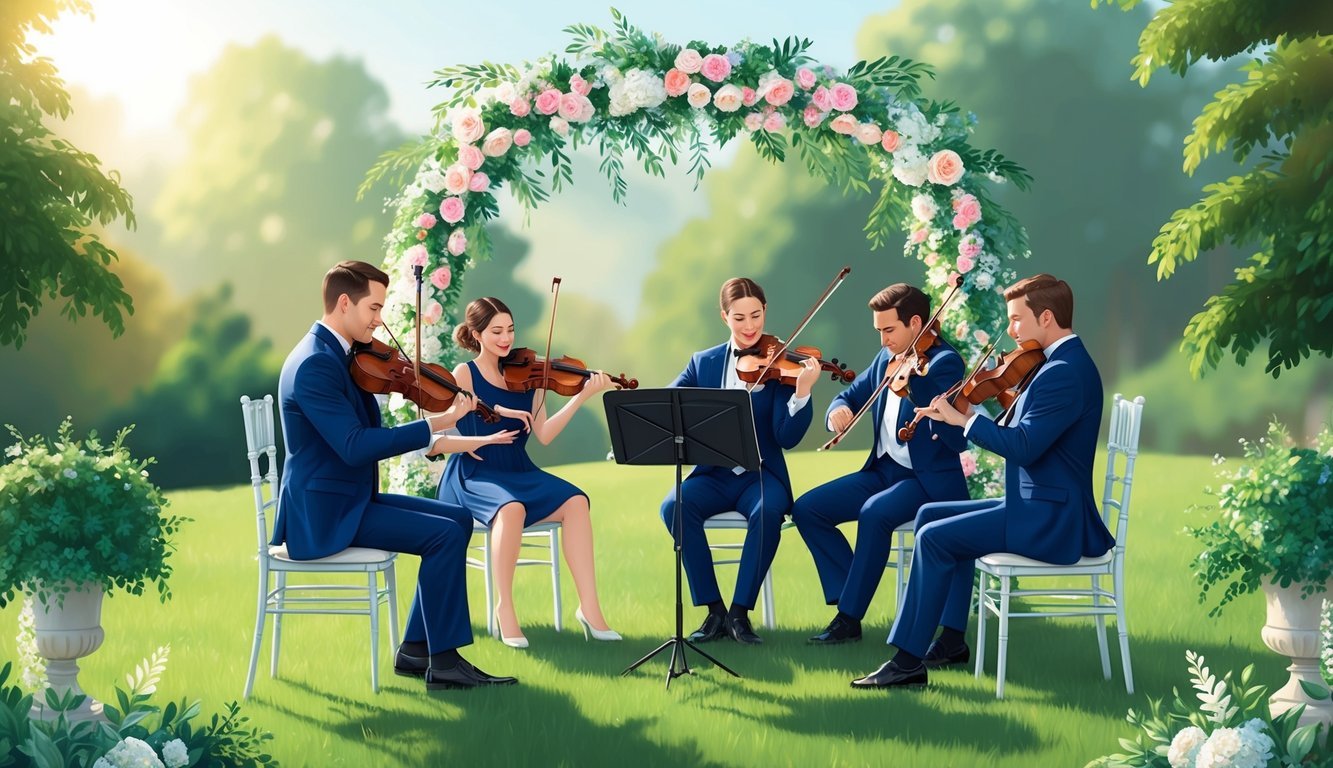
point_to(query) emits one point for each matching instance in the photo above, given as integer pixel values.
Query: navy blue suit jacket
(1049, 450)
(775, 427)
(333, 439)
(935, 446)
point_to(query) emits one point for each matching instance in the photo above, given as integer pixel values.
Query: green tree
(189, 415)
(1278, 124)
(265, 198)
(52, 192)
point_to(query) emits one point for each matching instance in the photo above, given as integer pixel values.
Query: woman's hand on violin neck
(463, 405)
(805, 380)
(840, 418)
(599, 381)
(940, 409)
(514, 413)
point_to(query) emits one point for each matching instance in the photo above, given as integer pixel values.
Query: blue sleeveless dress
(506, 474)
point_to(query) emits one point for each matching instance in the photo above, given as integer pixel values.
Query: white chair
(339, 599)
(900, 559)
(995, 593)
(548, 531)
(735, 521)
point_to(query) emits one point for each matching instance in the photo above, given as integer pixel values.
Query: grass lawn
(793, 705)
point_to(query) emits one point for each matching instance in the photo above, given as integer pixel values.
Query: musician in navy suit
(782, 415)
(330, 500)
(897, 477)
(1048, 512)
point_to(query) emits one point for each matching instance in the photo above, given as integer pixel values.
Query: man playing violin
(330, 501)
(1048, 512)
(897, 477)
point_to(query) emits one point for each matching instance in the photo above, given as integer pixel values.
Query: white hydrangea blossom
(910, 166)
(924, 208)
(636, 90)
(175, 754)
(130, 753)
(32, 666)
(1244, 747)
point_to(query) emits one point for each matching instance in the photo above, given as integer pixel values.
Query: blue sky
(143, 51)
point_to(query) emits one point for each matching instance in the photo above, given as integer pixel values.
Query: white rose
(1185, 746)
(432, 180)
(924, 208)
(505, 93)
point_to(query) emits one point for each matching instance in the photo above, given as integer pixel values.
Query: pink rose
(868, 133)
(748, 96)
(689, 61)
(715, 67)
(432, 312)
(959, 330)
(844, 124)
(440, 278)
(576, 108)
(521, 137)
(967, 211)
(425, 221)
(520, 107)
(813, 116)
(965, 264)
(981, 336)
(676, 82)
(844, 97)
(560, 125)
(775, 121)
(470, 156)
(580, 86)
(945, 167)
(417, 256)
(480, 182)
(457, 244)
(754, 121)
(548, 101)
(497, 142)
(467, 126)
(451, 209)
(456, 178)
(890, 140)
(805, 78)
(698, 95)
(919, 235)
(727, 98)
(822, 99)
(969, 462)
(969, 251)
(931, 259)
(780, 92)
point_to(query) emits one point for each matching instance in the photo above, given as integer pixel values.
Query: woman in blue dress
(501, 485)
(782, 414)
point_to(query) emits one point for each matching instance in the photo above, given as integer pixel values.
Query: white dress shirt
(732, 380)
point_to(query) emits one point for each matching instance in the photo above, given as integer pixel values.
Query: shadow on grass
(522, 725)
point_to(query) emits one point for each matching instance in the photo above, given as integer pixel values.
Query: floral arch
(630, 94)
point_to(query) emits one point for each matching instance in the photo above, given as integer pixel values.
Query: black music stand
(681, 425)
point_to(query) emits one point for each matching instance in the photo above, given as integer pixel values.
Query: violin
(912, 361)
(523, 370)
(381, 369)
(1003, 381)
(757, 364)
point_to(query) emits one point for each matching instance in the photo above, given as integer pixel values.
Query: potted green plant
(78, 518)
(1273, 531)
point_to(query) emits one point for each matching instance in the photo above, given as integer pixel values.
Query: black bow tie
(745, 352)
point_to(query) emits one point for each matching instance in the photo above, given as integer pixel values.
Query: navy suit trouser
(439, 533)
(950, 536)
(880, 497)
(713, 492)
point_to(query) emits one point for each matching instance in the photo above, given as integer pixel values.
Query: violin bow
(546, 360)
(416, 358)
(837, 438)
(833, 286)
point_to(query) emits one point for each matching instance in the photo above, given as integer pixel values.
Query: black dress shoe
(937, 656)
(462, 675)
(840, 630)
(713, 628)
(407, 665)
(742, 631)
(890, 675)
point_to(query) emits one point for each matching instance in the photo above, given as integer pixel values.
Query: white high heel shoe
(597, 634)
(512, 642)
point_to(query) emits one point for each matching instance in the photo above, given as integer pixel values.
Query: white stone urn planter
(1292, 630)
(65, 634)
